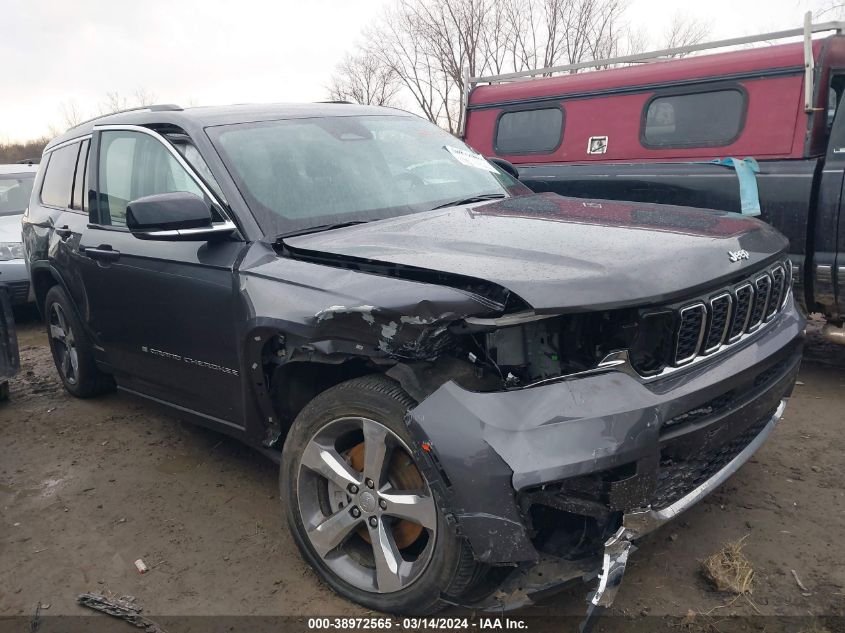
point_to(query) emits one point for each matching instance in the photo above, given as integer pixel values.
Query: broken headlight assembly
(527, 348)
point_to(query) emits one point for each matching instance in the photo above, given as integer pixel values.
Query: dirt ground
(89, 486)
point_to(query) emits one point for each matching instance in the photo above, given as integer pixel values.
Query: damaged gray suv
(475, 393)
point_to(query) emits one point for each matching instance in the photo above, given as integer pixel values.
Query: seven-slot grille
(706, 325)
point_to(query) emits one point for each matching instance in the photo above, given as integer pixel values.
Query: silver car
(15, 189)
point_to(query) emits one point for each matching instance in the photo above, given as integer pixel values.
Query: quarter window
(701, 119)
(191, 154)
(81, 177)
(58, 179)
(134, 165)
(535, 131)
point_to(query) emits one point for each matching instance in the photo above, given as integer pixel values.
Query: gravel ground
(89, 486)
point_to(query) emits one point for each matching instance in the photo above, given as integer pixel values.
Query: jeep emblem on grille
(735, 256)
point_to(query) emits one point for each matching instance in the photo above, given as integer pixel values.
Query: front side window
(133, 165)
(701, 119)
(535, 131)
(300, 173)
(15, 190)
(58, 179)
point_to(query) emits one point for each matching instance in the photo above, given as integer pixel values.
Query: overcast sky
(203, 52)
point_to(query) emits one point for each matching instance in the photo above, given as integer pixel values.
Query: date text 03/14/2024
(387, 623)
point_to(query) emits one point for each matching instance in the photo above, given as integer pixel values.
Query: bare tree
(429, 46)
(828, 9)
(116, 102)
(634, 41)
(397, 45)
(685, 31)
(71, 114)
(144, 98)
(362, 78)
(113, 102)
(450, 35)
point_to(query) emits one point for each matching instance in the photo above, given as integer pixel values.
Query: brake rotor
(403, 475)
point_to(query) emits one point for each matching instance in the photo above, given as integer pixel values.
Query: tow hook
(616, 551)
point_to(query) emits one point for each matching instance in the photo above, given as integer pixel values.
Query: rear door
(64, 189)
(162, 312)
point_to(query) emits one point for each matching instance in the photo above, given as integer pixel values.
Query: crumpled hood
(565, 254)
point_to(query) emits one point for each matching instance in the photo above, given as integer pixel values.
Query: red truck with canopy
(753, 130)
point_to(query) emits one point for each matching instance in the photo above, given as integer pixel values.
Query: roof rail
(158, 107)
(806, 31)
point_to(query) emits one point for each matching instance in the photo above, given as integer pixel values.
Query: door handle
(103, 253)
(64, 232)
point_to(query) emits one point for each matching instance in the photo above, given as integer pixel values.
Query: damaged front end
(557, 480)
(555, 438)
(602, 428)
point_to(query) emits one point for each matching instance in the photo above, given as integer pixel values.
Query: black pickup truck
(754, 131)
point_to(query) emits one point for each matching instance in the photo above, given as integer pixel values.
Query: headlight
(10, 250)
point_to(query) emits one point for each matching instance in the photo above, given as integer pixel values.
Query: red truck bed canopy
(754, 102)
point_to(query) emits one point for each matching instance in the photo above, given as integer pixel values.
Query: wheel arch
(44, 276)
(294, 384)
(285, 372)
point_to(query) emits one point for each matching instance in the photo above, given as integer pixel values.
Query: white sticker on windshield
(469, 158)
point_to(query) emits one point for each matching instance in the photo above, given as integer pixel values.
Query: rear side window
(701, 119)
(58, 179)
(535, 131)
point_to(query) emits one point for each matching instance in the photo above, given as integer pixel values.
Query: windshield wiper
(479, 198)
(319, 228)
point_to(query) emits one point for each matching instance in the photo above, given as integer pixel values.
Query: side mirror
(504, 165)
(173, 216)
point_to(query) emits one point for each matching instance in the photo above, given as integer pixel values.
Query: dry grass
(729, 570)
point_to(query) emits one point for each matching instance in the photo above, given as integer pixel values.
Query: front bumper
(15, 277)
(638, 523)
(619, 455)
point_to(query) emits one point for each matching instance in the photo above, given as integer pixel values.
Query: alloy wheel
(64, 344)
(366, 509)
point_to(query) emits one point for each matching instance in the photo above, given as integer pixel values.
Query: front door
(162, 312)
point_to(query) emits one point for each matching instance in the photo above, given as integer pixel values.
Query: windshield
(301, 173)
(15, 190)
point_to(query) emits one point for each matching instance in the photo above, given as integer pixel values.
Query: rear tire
(72, 350)
(336, 429)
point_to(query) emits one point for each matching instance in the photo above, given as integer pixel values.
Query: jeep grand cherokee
(475, 393)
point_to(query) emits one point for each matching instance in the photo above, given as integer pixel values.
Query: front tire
(72, 350)
(361, 511)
